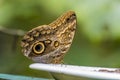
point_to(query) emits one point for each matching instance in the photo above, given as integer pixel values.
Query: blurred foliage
(97, 39)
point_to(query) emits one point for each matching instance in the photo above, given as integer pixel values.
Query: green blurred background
(96, 42)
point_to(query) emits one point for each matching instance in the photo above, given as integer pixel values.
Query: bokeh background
(96, 42)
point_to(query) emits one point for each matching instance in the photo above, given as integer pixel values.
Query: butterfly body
(49, 43)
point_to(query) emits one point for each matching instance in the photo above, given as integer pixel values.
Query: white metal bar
(83, 71)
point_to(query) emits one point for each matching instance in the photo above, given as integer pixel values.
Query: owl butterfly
(49, 43)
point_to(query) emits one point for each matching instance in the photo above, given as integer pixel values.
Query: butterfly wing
(49, 43)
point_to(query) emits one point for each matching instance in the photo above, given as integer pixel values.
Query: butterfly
(49, 43)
